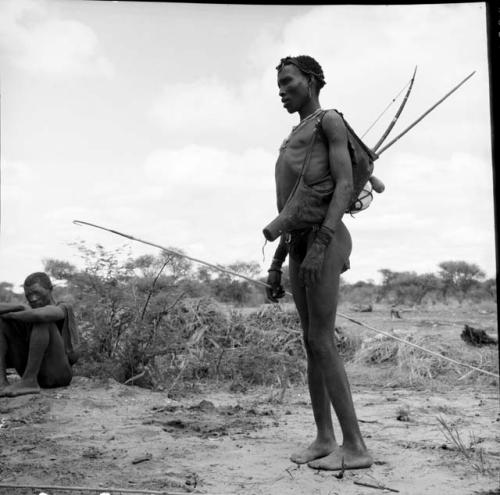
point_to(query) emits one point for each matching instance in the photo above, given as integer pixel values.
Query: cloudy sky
(162, 120)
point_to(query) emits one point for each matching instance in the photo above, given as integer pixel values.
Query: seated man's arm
(45, 314)
(11, 308)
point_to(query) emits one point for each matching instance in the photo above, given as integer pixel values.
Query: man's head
(300, 79)
(38, 289)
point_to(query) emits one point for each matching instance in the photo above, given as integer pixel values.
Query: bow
(396, 116)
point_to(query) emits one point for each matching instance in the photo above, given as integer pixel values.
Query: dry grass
(474, 456)
(413, 366)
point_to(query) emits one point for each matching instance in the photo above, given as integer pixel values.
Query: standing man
(38, 341)
(319, 254)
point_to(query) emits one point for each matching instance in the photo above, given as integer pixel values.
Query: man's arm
(11, 308)
(341, 172)
(340, 168)
(46, 314)
(275, 290)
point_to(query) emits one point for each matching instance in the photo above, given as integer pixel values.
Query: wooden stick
(378, 487)
(100, 490)
(263, 284)
(424, 114)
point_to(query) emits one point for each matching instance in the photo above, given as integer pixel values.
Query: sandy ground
(213, 441)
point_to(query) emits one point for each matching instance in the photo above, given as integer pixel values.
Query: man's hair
(38, 278)
(307, 65)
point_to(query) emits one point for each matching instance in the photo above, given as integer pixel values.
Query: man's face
(37, 295)
(293, 88)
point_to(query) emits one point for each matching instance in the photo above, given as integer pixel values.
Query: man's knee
(319, 346)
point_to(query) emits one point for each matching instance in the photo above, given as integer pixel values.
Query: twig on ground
(378, 487)
(134, 378)
(94, 489)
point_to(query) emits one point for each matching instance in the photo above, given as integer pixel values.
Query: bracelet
(274, 270)
(328, 230)
(324, 236)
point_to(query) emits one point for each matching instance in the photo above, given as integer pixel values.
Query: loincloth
(299, 242)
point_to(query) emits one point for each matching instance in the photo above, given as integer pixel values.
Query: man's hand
(6, 308)
(310, 269)
(275, 291)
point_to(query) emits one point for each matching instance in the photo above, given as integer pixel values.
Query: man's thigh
(322, 298)
(55, 370)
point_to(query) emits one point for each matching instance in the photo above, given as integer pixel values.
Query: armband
(324, 236)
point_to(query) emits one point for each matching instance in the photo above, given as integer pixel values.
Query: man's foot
(316, 450)
(4, 383)
(20, 388)
(343, 458)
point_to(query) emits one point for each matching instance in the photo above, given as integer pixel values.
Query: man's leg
(322, 303)
(47, 364)
(14, 343)
(3, 358)
(55, 370)
(325, 442)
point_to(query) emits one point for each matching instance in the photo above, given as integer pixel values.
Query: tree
(120, 303)
(407, 287)
(7, 294)
(459, 277)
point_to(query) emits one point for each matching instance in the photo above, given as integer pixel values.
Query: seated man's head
(38, 290)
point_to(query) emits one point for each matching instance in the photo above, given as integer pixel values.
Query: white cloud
(34, 38)
(207, 168)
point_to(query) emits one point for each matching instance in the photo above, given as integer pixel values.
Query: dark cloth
(299, 242)
(69, 332)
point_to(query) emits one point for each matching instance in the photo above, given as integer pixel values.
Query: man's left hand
(310, 269)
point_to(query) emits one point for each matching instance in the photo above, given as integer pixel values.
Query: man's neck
(309, 108)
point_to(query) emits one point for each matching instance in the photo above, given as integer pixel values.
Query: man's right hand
(275, 290)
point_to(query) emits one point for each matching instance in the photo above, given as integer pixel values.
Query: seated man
(38, 341)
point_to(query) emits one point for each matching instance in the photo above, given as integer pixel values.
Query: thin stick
(418, 346)
(263, 284)
(424, 114)
(87, 489)
(172, 251)
(379, 487)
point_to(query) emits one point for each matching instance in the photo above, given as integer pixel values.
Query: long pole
(263, 284)
(425, 114)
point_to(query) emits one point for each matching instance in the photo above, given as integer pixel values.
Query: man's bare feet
(20, 388)
(316, 450)
(343, 458)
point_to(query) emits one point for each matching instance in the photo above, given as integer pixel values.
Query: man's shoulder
(331, 114)
(332, 122)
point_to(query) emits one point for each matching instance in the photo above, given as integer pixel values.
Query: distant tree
(407, 287)
(7, 294)
(490, 287)
(361, 292)
(459, 277)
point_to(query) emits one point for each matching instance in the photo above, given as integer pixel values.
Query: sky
(163, 121)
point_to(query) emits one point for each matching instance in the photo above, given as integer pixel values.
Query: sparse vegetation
(473, 454)
(160, 322)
